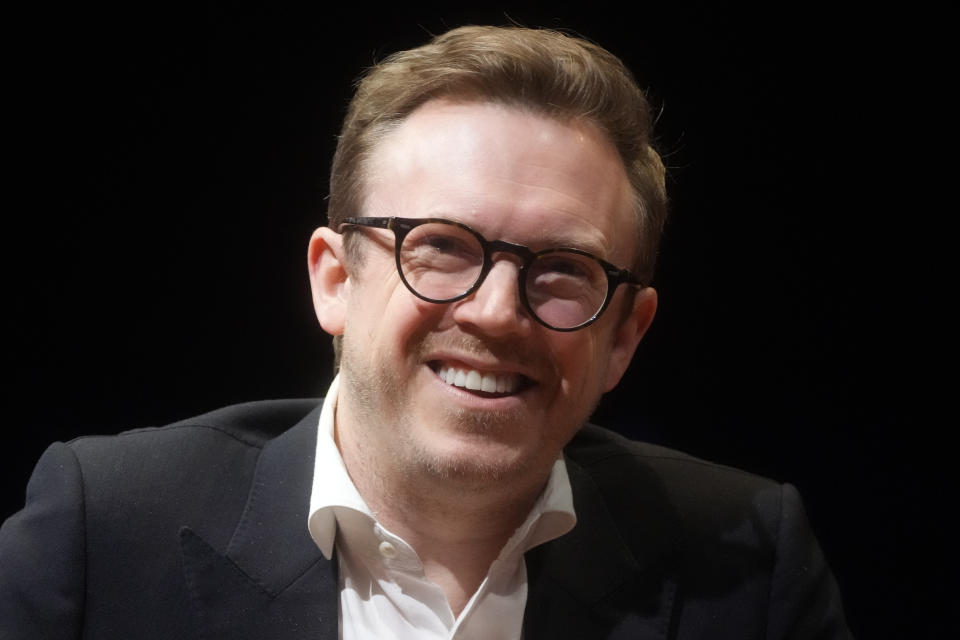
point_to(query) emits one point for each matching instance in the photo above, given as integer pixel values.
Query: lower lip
(470, 399)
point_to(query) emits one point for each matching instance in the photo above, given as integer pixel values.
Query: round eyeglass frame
(403, 226)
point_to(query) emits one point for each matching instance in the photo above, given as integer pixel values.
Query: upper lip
(469, 361)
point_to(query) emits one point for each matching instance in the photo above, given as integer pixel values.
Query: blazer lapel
(271, 581)
(589, 584)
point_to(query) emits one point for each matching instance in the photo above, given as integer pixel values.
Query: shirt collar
(551, 516)
(332, 486)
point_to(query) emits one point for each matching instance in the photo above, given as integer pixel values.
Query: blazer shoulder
(193, 469)
(250, 424)
(698, 496)
(599, 448)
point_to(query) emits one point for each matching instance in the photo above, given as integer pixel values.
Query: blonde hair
(546, 71)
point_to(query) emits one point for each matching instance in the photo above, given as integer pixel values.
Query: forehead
(508, 172)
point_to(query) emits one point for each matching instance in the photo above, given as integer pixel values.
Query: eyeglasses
(444, 261)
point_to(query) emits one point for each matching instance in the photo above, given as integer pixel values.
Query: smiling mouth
(486, 383)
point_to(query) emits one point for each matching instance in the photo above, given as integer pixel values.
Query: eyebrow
(543, 240)
(546, 240)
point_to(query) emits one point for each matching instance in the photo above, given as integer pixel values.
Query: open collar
(272, 581)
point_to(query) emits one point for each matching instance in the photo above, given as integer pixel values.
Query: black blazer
(199, 530)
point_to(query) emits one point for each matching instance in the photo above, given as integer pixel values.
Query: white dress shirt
(384, 592)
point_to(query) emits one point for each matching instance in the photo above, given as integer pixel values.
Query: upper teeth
(477, 381)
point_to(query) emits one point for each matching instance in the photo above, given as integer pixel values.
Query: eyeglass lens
(443, 261)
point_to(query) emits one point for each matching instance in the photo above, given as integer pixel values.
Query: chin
(481, 447)
(475, 464)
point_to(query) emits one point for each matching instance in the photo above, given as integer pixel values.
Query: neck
(457, 539)
(457, 525)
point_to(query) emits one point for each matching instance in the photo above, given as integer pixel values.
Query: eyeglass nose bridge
(492, 247)
(502, 246)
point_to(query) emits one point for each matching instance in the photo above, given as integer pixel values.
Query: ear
(329, 280)
(627, 336)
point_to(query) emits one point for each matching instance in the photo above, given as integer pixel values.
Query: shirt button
(387, 550)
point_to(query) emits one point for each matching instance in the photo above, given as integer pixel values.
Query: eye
(445, 244)
(441, 247)
(564, 265)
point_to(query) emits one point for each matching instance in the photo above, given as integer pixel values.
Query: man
(494, 214)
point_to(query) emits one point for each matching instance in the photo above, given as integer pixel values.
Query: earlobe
(329, 280)
(628, 335)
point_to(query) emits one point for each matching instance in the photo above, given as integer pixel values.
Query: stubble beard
(384, 412)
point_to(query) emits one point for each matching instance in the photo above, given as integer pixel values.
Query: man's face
(514, 176)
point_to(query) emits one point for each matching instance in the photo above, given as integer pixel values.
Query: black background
(170, 164)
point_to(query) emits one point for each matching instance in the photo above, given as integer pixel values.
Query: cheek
(584, 361)
(577, 358)
(374, 287)
(388, 317)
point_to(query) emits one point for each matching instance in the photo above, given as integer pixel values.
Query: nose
(495, 308)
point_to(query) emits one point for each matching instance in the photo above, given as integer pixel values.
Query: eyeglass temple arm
(380, 223)
(623, 276)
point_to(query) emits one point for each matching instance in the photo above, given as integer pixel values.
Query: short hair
(560, 76)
